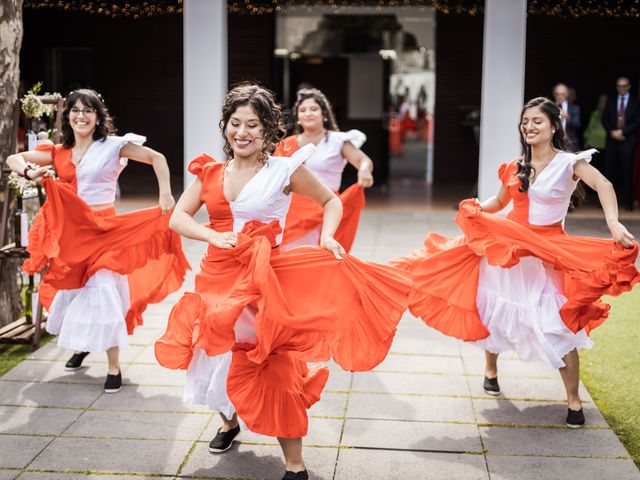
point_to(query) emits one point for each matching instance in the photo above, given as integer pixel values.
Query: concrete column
(505, 26)
(205, 78)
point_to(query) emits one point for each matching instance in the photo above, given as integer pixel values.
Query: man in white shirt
(570, 113)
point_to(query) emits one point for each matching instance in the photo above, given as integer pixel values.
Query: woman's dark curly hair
(88, 98)
(264, 106)
(559, 141)
(328, 119)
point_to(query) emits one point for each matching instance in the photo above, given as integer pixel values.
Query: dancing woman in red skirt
(316, 125)
(258, 314)
(521, 283)
(102, 268)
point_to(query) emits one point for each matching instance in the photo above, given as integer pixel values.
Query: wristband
(26, 169)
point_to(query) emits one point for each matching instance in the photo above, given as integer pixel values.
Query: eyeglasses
(86, 111)
(622, 85)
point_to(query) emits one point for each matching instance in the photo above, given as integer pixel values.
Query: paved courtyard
(421, 414)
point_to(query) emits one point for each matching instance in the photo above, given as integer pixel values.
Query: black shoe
(75, 362)
(575, 418)
(303, 475)
(113, 383)
(223, 440)
(491, 386)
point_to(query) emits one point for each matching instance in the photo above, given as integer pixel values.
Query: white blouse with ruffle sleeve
(550, 193)
(98, 171)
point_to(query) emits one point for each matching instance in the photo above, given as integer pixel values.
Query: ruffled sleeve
(129, 138)
(506, 171)
(586, 155)
(49, 147)
(196, 167)
(299, 157)
(356, 137)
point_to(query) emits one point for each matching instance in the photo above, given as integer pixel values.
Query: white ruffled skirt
(207, 375)
(520, 306)
(92, 318)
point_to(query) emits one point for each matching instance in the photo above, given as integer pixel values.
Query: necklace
(76, 157)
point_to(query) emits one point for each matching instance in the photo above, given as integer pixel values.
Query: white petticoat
(520, 306)
(92, 318)
(207, 376)
(310, 238)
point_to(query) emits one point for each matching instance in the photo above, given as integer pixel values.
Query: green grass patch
(611, 370)
(11, 355)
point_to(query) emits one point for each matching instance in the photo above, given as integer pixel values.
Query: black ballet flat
(303, 475)
(575, 418)
(75, 362)
(491, 386)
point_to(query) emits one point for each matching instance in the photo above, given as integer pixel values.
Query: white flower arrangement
(32, 106)
(23, 186)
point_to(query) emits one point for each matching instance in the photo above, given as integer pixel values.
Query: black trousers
(618, 167)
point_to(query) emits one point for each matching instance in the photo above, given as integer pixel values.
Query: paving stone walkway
(421, 414)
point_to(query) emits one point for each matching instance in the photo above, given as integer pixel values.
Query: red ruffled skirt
(446, 271)
(305, 216)
(308, 307)
(74, 242)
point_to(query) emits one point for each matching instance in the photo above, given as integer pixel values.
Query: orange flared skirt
(310, 307)
(74, 242)
(446, 271)
(305, 215)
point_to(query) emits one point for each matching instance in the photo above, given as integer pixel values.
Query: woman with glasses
(316, 125)
(103, 268)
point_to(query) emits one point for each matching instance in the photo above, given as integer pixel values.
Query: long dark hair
(328, 119)
(263, 103)
(88, 98)
(559, 139)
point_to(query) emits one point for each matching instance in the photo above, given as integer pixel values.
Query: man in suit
(570, 113)
(621, 119)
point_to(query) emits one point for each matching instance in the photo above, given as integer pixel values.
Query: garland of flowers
(136, 9)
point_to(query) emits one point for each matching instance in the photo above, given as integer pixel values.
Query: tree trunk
(10, 43)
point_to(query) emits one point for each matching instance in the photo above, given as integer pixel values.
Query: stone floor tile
(145, 335)
(547, 468)
(82, 476)
(322, 432)
(330, 405)
(512, 368)
(421, 364)
(561, 442)
(118, 456)
(507, 412)
(16, 451)
(402, 344)
(148, 398)
(48, 394)
(411, 435)
(339, 380)
(355, 464)
(141, 374)
(529, 388)
(256, 462)
(147, 356)
(410, 383)
(9, 474)
(36, 421)
(410, 407)
(38, 371)
(52, 352)
(143, 425)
